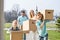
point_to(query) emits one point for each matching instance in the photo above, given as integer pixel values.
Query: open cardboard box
(29, 25)
(48, 14)
(16, 35)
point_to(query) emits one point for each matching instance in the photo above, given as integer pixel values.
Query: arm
(42, 24)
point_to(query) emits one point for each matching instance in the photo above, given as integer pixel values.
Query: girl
(31, 14)
(41, 26)
(14, 26)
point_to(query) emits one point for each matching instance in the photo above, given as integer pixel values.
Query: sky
(31, 4)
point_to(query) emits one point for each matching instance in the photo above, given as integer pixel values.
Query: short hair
(23, 11)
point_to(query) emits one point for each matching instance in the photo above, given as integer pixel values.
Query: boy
(21, 19)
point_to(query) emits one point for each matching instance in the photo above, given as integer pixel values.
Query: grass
(7, 25)
(49, 25)
(53, 35)
(6, 36)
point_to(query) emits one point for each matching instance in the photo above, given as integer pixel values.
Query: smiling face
(39, 16)
(14, 24)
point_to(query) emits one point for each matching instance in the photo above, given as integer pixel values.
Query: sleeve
(37, 24)
(19, 21)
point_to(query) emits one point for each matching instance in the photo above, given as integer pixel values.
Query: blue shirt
(42, 32)
(21, 19)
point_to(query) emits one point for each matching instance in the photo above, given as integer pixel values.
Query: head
(31, 13)
(23, 12)
(14, 23)
(39, 16)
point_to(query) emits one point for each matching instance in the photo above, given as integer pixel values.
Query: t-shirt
(21, 19)
(42, 32)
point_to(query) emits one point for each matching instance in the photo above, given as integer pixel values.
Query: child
(21, 19)
(41, 26)
(31, 14)
(14, 26)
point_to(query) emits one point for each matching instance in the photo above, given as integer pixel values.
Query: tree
(58, 22)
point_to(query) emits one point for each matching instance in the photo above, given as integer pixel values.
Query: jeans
(42, 38)
(24, 36)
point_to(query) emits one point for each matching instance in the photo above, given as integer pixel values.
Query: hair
(41, 15)
(15, 21)
(23, 11)
(31, 15)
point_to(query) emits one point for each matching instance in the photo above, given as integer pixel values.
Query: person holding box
(41, 27)
(14, 26)
(32, 14)
(21, 19)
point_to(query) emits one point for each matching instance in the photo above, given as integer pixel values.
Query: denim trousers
(42, 38)
(24, 36)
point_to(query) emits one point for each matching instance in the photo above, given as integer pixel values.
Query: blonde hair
(31, 15)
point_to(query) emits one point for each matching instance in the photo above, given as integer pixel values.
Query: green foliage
(58, 22)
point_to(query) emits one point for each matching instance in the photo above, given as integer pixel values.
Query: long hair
(31, 14)
(41, 15)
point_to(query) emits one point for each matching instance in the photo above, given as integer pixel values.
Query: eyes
(39, 15)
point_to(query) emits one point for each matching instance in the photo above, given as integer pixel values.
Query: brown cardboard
(16, 35)
(29, 25)
(48, 14)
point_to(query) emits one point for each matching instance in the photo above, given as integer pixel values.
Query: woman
(41, 26)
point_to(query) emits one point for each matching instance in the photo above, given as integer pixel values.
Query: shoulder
(19, 17)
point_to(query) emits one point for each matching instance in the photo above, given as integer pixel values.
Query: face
(32, 12)
(39, 16)
(23, 14)
(14, 23)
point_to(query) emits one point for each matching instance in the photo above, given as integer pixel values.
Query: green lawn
(7, 25)
(53, 35)
(6, 36)
(49, 25)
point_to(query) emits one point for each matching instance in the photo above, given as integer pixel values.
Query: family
(40, 23)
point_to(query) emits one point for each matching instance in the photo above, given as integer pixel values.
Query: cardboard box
(29, 25)
(48, 14)
(16, 35)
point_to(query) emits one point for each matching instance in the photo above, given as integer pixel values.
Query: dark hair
(23, 11)
(41, 15)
